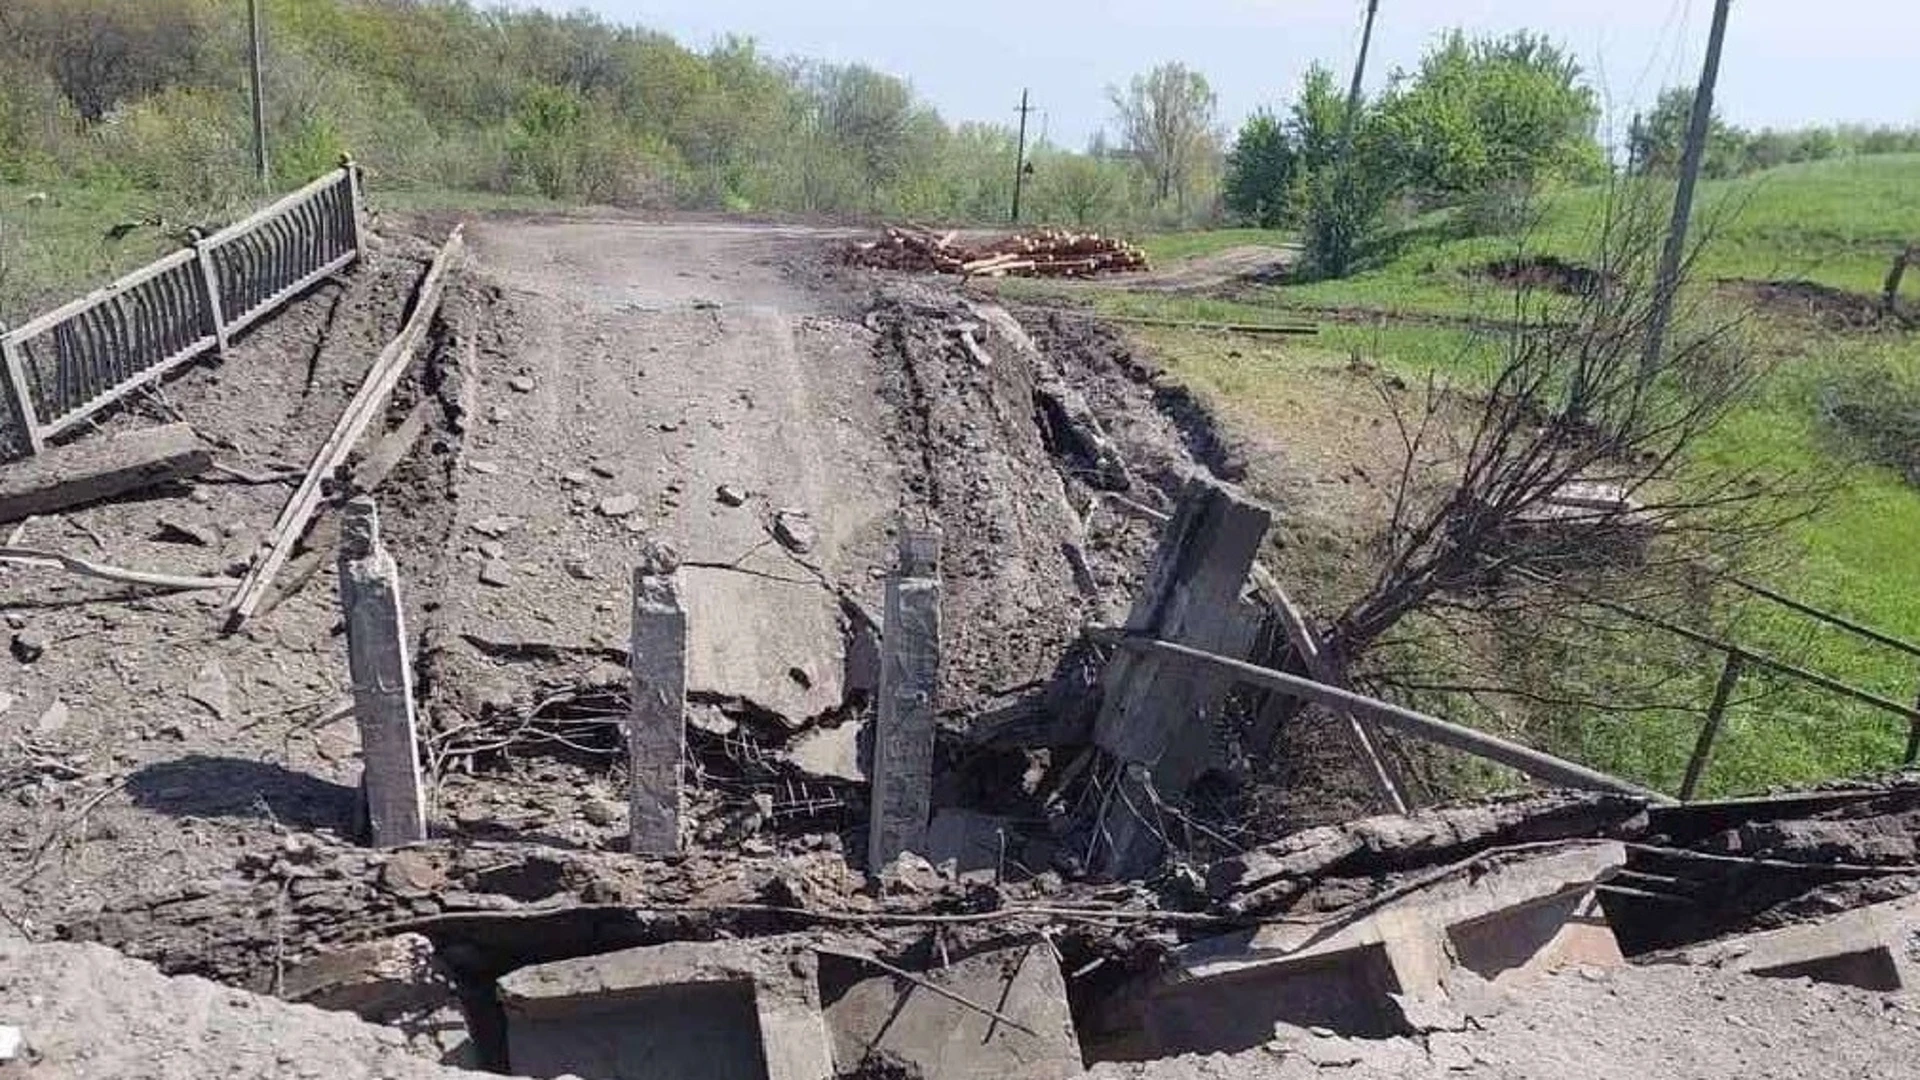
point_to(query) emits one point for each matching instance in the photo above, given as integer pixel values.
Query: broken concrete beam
(396, 981)
(883, 1017)
(902, 789)
(732, 1010)
(1390, 841)
(91, 470)
(382, 680)
(657, 728)
(1869, 947)
(1153, 715)
(1503, 920)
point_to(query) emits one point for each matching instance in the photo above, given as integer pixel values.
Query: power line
(1020, 156)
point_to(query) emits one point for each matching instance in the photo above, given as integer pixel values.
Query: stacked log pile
(1041, 253)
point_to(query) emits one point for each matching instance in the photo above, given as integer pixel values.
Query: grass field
(1837, 223)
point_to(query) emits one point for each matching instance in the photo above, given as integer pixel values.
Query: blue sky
(1788, 62)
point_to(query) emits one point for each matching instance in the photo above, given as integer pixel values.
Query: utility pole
(1020, 157)
(259, 96)
(1352, 118)
(1667, 280)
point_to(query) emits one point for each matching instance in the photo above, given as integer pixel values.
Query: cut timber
(657, 728)
(365, 407)
(94, 469)
(1153, 714)
(382, 680)
(909, 676)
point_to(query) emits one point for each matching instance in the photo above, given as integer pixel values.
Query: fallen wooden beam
(366, 405)
(91, 470)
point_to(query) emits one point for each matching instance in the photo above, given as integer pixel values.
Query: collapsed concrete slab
(882, 1017)
(1503, 921)
(1876, 947)
(776, 644)
(739, 1010)
(396, 981)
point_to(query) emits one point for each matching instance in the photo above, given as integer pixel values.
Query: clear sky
(1787, 62)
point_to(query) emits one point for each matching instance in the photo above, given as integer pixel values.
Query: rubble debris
(96, 1013)
(795, 530)
(53, 719)
(831, 753)
(29, 645)
(211, 689)
(1869, 947)
(725, 1010)
(1040, 253)
(956, 1035)
(1501, 917)
(747, 633)
(92, 470)
(497, 573)
(521, 384)
(730, 495)
(175, 531)
(619, 506)
(11, 1042)
(396, 981)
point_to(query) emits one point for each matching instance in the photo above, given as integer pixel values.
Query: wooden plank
(97, 469)
(656, 727)
(382, 680)
(902, 789)
(360, 412)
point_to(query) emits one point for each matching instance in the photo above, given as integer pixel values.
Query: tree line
(152, 94)
(447, 94)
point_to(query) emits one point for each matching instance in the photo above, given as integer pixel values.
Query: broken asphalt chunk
(497, 573)
(730, 495)
(496, 526)
(619, 505)
(29, 645)
(794, 529)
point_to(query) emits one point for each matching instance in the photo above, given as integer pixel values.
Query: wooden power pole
(1020, 157)
(1352, 119)
(1667, 279)
(259, 96)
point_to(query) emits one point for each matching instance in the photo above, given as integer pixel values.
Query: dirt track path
(644, 367)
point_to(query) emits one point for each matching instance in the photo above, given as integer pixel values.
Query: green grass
(56, 247)
(1837, 223)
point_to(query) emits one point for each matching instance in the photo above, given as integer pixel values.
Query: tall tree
(1260, 170)
(1166, 118)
